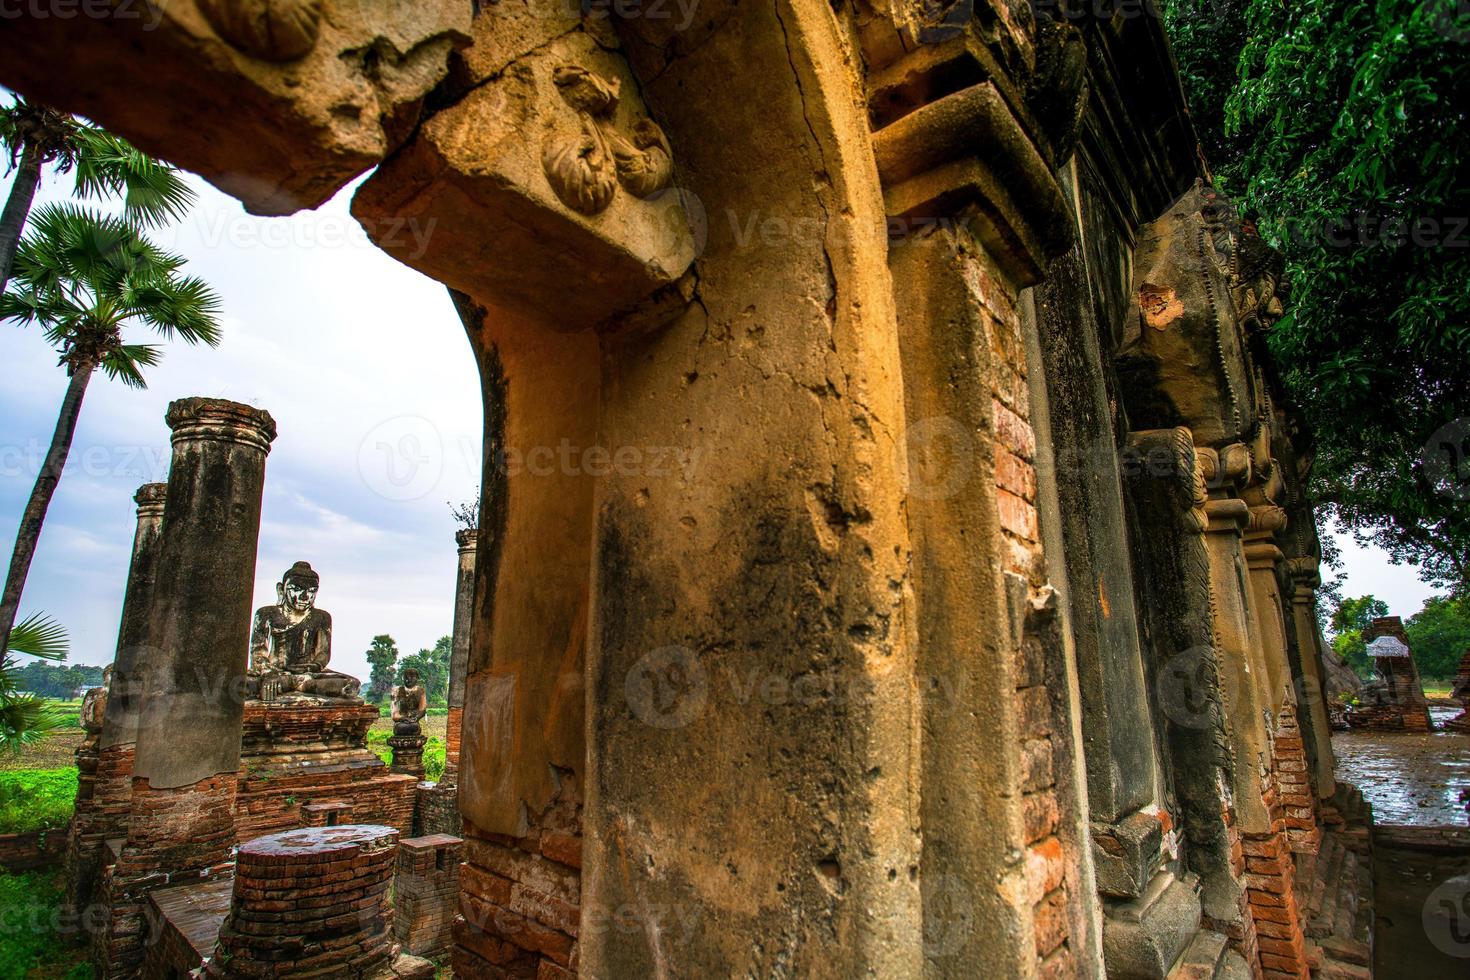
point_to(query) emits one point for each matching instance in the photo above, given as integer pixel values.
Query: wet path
(1409, 779)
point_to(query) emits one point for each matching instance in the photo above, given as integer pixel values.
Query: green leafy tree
(1349, 620)
(381, 657)
(36, 136)
(1439, 635)
(1340, 126)
(84, 279)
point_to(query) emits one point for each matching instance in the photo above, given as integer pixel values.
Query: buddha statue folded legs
(291, 644)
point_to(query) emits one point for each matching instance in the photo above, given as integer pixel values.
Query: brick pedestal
(426, 893)
(408, 754)
(297, 756)
(310, 902)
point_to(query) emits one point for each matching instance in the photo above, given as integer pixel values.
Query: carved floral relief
(585, 168)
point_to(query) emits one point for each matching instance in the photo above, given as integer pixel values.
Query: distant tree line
(62, 681)
(1439, 634)
(387, 668)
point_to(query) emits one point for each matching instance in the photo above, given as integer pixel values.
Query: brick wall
(1298, 805)
(269, 804)
(520, 897)
(1051, 865)
(174, 835)
(438, 809)
(37, 849)
(426, 893)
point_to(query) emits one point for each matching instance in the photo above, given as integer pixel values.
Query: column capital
(221, 420)
(468, 539)
(150, 499)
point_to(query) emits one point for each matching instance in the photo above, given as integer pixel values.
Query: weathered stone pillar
(105, 815)
(1312, 699)
(187, 755)
(459, 660)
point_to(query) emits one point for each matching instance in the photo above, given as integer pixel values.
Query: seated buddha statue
(410, 704)
(291, 644)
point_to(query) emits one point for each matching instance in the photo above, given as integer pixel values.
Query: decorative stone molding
(585, 168)
(271, 30)
(1182, 462)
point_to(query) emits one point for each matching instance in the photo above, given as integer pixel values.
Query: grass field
(36, 799)
(34, 943)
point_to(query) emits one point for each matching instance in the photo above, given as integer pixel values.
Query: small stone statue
(410, 704)
(94, 704)
(291, 644)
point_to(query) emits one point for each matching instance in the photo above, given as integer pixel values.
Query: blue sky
(366, 369)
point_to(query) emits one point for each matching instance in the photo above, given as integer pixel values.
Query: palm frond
(125, 363)
(109, 166)
(40, 636)
(25, 720)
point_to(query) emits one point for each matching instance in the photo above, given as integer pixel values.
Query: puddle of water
(1409, 779)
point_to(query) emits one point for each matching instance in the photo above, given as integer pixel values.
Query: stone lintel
(494, 198)
(277, 104)
(967, 148)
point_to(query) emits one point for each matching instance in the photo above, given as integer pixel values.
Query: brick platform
(311, 902)
(295, 756)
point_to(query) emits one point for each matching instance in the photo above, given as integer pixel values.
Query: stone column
(189, 717)
(106, 814)
(459, 660)
(1304, 580)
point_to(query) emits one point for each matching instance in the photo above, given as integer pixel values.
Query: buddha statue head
(297, 589)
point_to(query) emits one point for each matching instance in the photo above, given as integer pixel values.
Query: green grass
(36, 799)
(434, 753)
(32, 944)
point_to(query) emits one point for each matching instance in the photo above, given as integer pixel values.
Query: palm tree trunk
(35, 512)
(18, 207)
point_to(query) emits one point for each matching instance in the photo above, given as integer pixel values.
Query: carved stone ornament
(271, 30)
(585, 169)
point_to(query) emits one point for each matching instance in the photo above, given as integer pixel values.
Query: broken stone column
(1394, 700)
(181, 825)
(105, 816)
(312, 902)
(459, 659)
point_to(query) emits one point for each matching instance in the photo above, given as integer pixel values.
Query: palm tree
(24, 718)
(84, 277)
(36, 136)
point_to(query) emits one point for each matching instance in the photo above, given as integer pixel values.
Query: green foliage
(25, 718)
(433, 668)
(381, 657)
(1344, 132)
(1349, 620)
(32, 943)
(40, 636)
(435, 753)
(57, 681)
(36, 799)
(152, 192)
(84, 278)
(1439, 635)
